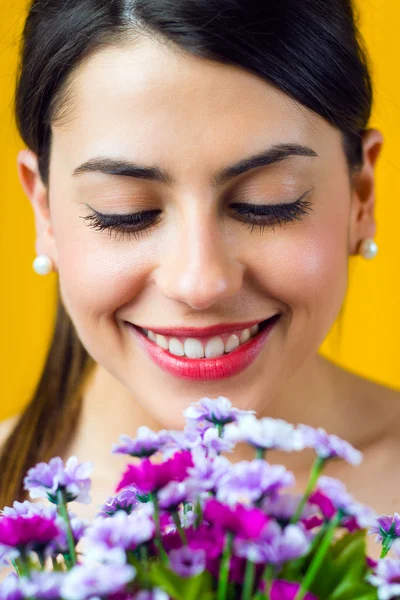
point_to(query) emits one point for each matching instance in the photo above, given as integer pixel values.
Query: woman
(200, 173)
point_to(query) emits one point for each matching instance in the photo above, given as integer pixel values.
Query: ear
(36, 191)
(362, 218)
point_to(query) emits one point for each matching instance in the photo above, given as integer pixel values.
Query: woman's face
(199, 261)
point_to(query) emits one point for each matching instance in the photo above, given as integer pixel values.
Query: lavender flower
(10, 588)
(284, 506)
(218, 411)
(248, 482)
(44, 480)
(387, 578)
(176, 441)
(187, 562)
(329, 446)
(7, 555)
(126, 500)
(108, 540)
(88, 581)
(386, 525)
(146, 443)
(214, 444)
(274, 546)
(29, 509)
(337, 493)
(207, 472)
(43, 585)
(172, 495)
(267, 433)
(154, 594)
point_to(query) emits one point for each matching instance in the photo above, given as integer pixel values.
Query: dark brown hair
(311, 50)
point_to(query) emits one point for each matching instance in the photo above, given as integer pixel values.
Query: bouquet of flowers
(187, 524)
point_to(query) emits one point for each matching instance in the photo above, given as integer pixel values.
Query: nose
(200, 268)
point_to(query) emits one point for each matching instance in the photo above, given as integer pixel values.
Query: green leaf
(198, 587)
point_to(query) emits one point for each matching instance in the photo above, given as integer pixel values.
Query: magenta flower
(187, 562)
(329, 446)
(150, 477)
(218, 411)
(45, 479)
(287, 590)
(146, 443)
(27, 533)
(247, 523)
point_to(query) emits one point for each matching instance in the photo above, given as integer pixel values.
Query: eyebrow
(120, 166)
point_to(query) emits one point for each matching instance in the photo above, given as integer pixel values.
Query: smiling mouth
(206, 347)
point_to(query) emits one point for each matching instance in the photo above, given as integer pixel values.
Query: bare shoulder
(6, 427)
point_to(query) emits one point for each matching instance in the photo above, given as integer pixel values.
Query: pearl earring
(43, 265)
(368, 248)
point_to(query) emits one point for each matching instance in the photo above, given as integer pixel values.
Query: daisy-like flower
(172, 495)
(44, 585)
(284, 506)
(242, 521)
(218, 411)
(206, 473)
(26, 533)
(386, 525)
(88, 581)
(329, 446)
(150, 477)
(266, 434)
(45, 479)
(387, 578)
(126, 500)
(249, 481)
(145, 444)
(10, 588)
(187, 562)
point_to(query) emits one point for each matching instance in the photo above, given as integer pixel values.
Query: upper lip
(203, 331)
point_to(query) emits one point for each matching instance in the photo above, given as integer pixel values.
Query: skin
(158, 106)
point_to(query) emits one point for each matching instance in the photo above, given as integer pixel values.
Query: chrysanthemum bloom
(206, 473)
(172, 495)
(43, 585)
(126, 500)
(266, 433)
(218, 411)
(284, 506)
(187, 562)
(247, 523)
(287, 590)
(386, 525)
(45, 479)
(87, 581)
(150, 477)
(387, 578)
(27, 533)
(329, 446)
(250, 481)
(10, 588)
(145, 444)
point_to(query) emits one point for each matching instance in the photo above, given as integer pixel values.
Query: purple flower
(247, 523)
(218, 411)
(284, 506)
(214, 444)
(108, 540)
(126, 500)
(150, 477)
(387, 578)
(172, 495)
(78, 528)
(206, 472)
(176, 441)
(43, 585)
(88, 581)
(248, 482)
(29, 509)
(187, 562)
(45, 479)
(146, 443)
(275, 545)
(386, 525)
(267, 433)
(27, 533)
(329, 446)
(154, 594)
(7, 555)
(287, 590)
(10, 588)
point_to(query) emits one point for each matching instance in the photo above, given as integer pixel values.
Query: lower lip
(224, 366)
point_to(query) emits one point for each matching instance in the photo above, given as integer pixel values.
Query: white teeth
(176, 347)
(152, 336)
(254, 330)
(245, 336)
(161, 341)
(194, 348)
(214, 348)
(232, 343)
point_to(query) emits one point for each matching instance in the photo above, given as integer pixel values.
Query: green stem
(177, 521)
(16, 567)
(248, 580)
(261, 453)
(315, 473)
(220, 429)
(158, 542)
(319, 556)
(225, 568)
(267, 579)
(387, 544)
(63, 512)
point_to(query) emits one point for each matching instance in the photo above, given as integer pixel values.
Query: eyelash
(252, 215)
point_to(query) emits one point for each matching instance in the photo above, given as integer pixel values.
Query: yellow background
(369, 343)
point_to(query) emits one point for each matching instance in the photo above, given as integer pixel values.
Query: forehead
(153, 97)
